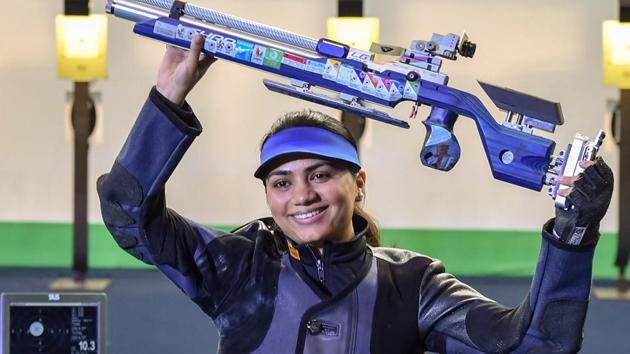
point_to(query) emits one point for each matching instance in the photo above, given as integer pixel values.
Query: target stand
(53, 323)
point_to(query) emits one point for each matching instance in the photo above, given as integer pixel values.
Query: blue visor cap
(306, 140)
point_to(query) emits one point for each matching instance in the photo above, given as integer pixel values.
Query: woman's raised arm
(132, 194)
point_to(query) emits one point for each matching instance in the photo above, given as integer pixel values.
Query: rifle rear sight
(445, 46)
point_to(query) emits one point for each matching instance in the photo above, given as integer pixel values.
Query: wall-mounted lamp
(357, 32)
(616, 53)
(81, 47)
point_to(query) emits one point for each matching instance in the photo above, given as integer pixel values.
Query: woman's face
(312, 200)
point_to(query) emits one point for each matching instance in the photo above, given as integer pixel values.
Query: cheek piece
(305, 140)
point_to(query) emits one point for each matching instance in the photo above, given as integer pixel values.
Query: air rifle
(356, 76)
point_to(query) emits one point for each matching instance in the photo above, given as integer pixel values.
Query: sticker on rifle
(258, 54)
(411, 90)
(369, 85)
(293, 60)
(273, 58)
(227, 46)
(210, 45)
(346, 74)
(315, 67)
(360, 55)
(395, 92)
(382, 88)
(164, 29)
(185, 33)
(356, 81)
(244, 50)
(332, 69)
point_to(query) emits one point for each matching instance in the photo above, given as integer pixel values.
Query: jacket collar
(338, 265)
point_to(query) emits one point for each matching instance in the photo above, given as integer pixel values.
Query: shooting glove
(589, 200)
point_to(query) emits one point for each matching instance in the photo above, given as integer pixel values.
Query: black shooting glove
(589, 200)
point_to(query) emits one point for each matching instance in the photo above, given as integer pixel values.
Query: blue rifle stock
(514, 153)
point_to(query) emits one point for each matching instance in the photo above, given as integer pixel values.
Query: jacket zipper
(320, 266)
(320, 270)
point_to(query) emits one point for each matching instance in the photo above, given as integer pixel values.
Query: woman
(305, 280)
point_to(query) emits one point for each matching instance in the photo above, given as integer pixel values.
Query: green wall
(464, 252)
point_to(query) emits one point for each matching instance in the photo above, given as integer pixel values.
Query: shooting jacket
(266, 295)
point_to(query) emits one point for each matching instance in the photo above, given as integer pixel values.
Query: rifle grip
(440, 149)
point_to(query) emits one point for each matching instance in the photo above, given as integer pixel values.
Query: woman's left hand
(589, 195)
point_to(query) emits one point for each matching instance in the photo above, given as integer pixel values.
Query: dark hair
(310, 118)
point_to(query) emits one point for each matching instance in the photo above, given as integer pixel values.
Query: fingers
(564, 192)
(195, 51)
(596, 179)
(172, 56)
(568, 180)
(181, 70)
(589, 180)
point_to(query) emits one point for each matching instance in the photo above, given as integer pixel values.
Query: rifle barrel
(239, 24)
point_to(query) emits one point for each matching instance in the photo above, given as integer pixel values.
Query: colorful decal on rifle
(382, 88)
(210, 45)
(244, 50)
(185, 33)
(346, 74)
(227, 46)
(411, 90)
(293, 60)
(258, 54)
(358, 83)
(395, 92)
(315, 66)
(360, 55)
(164, 29)
(369, 86)
(332, 69)
(374, 78)
(388, 84)
(420, 62)
(273, 58)
(355, 79)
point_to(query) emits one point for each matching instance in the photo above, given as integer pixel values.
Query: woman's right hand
(589, 194)
(181, 70)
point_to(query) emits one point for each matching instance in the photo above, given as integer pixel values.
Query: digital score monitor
(54, 323)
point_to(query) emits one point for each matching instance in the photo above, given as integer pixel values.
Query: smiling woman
(311, 278)
(313, 179)
(312, 201)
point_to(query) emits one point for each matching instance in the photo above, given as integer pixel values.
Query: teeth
(307, 215)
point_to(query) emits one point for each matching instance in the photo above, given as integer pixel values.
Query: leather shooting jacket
(266, 294)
